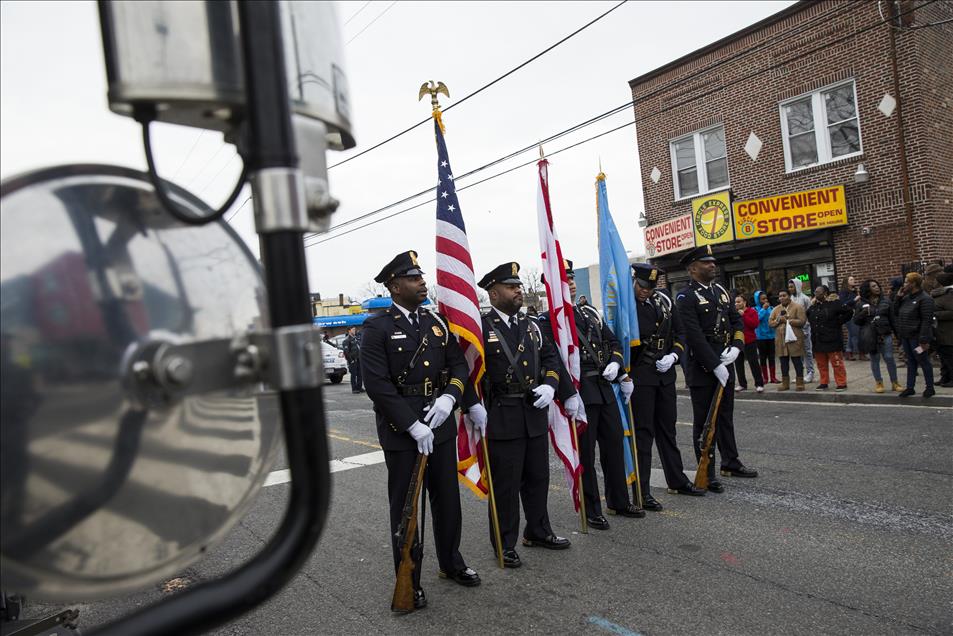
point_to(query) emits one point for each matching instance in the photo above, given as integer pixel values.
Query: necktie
(513, 328)
(414, 323)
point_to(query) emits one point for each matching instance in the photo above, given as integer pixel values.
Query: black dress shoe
(420, 599)
(599, 523)
(552, 542)
(466, 577)
(688, 489)
(651, 504)
(715, 486)
(907, 393)
(741, 471)
(511, 559)
(632, 511)
(929, 392)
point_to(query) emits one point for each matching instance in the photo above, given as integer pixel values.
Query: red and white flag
(564, 331)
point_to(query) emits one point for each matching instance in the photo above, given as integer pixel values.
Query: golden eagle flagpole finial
(434, 88)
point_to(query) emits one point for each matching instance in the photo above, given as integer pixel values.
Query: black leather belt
(591, 374)
(426, 389)
(511, 389)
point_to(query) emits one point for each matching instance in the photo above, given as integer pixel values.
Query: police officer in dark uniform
(415, 373)
(714, 338)
(653, 362)
(600, 364)
(519, 384)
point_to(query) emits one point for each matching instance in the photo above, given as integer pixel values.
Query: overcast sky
(54, 111)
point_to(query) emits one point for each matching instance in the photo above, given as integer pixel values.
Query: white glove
(440, 411)
(424, 437)
(545, 393)
(730, 354)
(477, 418)
(721, 372)
(572, 405)
(612, 370)
(627, 386)
(665, 363)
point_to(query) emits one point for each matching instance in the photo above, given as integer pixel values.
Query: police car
(335, 366)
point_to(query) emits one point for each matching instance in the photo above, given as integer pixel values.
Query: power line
(470, 185)
(187, 155)
(368, 25)
(642, 119)
(482, 88)
(239, 209)
(795, 32)
(511, 155)
(354, 15)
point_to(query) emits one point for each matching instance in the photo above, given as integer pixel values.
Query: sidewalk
(860, 385)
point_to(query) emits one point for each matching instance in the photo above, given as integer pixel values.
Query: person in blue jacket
(765, 335)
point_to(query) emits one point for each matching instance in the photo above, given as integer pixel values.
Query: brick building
(749, 139)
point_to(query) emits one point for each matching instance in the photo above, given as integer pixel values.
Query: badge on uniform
(437, 331)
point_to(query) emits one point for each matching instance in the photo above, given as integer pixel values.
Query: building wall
(699, 93)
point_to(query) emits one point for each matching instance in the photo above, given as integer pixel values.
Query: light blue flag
(618, 302)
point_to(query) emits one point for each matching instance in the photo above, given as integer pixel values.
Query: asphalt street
(848, 530)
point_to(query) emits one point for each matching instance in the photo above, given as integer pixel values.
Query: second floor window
(700, 162)
(820, 127)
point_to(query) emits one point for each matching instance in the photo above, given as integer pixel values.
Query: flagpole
(583, 524)
(493, 514)
(635, 454)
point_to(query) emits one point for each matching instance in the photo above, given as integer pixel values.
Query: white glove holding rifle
(440, 411)
(477, 418)
(424, 437)
(721, 372)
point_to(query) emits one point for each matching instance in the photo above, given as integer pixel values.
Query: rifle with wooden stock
(403, 600)
(707, 440)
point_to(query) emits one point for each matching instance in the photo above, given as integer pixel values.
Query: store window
(820, 127)
(700, 162)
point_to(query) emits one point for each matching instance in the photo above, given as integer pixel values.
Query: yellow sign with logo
(711, 217)
(795, 212)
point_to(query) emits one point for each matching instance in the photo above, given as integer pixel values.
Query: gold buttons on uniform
(426, 363)
(525, 363)
(400, 348)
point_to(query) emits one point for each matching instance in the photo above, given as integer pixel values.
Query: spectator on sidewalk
(849, 295)
(797, 296)
(913, 319)
(765, 336)
(789, 313)
(872, 317)
(827, 316)
(930, 274)
(749, 322)
(352, 353)
(943, 300)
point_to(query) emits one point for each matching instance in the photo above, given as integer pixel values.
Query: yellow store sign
(795, 212)
(711, 217)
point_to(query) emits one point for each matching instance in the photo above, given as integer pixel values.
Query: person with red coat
(750, 322)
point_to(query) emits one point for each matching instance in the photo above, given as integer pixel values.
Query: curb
(812, 395)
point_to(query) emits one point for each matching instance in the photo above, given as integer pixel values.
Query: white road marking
(337, 465)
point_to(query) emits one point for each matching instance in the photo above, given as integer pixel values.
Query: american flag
(564, 330)
(457, 300)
